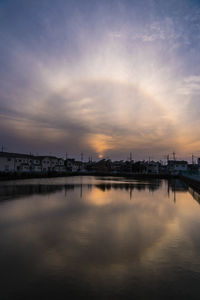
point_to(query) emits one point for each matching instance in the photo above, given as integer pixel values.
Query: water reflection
(87, 238)
(18, 190)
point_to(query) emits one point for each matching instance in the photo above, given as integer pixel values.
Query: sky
(104, 78)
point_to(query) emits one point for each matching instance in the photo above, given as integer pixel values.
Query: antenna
(130, 156)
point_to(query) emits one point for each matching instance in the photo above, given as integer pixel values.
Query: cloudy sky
(105, 78)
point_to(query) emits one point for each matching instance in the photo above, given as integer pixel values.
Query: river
(99, 238)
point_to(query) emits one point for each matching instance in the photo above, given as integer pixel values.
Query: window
(8, 159)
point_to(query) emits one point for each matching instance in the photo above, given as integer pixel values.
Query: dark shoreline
(17, 176)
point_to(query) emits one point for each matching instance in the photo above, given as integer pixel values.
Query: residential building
(15, 162)
(28, 163)
(177, 166)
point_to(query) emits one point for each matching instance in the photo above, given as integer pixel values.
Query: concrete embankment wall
(192, 180)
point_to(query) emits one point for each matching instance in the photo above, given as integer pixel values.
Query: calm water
(100, 238)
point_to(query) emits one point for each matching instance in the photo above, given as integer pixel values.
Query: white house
(17, 162)
(7, 163)
(60, 165)
(74, 166)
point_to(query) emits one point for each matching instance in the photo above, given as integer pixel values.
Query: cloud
(111, 81)
(102, 115)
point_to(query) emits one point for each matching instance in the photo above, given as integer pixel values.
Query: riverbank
(17, 176)
(191, 180)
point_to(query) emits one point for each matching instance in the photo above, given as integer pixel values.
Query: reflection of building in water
(140, 186)
(81, 190)
(68, 187)
(17, 191)
(131, 193)
(176, 185)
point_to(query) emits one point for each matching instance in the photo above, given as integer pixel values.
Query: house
(73, 165)
(152, 167)
(60, 166)
(51, 164)
(35, 168)
(15, 162)
(24, 168)
(28, 163)
(177, 166)
(35, 165)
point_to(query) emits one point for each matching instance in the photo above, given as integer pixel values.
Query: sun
(100, 155)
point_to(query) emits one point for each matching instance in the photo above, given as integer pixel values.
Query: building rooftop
(20, 155)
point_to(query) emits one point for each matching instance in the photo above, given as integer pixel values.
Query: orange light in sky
(101, 143)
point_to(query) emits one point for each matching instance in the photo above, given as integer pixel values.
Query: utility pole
(192, 159)
(2, 148)
(66, 155)
(167, 158)
(130, 162)
(174, 155)
(82, 156)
